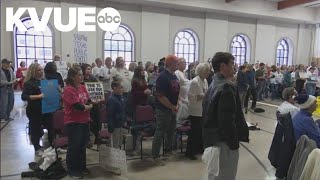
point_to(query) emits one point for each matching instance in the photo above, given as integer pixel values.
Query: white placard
(95, 90)
(113, 160)
(80, 48)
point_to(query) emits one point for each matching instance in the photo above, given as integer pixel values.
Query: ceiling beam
(228, 1)
(291, 3)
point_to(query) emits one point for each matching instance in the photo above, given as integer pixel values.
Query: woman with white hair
(288, 106)
(197, 91)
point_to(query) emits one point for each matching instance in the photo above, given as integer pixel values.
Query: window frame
(196, 44)
(286, 48)
(34, 47)
(124, 51)
(247, 48)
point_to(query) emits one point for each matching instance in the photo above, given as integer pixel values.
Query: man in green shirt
(261, 81)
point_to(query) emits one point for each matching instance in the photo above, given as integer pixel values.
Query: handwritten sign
(80, 48)
(113, 160)
(95, 90)
(51, 96)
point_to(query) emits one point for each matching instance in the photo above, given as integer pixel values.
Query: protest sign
(95, 90)
(51, 96)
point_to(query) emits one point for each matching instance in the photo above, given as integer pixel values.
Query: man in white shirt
(96, 71)
(120, 71)
(316, 70)
(288, 106)
(106, 75)
(183, 95)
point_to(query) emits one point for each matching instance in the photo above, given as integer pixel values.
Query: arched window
(283, 52)
(186, 45)
(240, 48)
(31, 45)
(119, 43)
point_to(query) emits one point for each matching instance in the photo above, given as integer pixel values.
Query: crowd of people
(210, 95)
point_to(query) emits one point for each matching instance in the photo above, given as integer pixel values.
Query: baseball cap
(5, 61)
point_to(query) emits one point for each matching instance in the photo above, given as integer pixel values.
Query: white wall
(154, 30)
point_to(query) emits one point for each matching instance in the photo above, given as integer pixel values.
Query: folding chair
(184, 129)
(58, 126)
(104, 134)
(144, 114)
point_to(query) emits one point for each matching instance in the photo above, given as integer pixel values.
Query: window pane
(48, 53)
(127, 36)
(47, 41)
(192, 50)
(114, 45)
(21, 52)
(117, 37)
(39, 53)
(122, 30)
(184, 41)
(30, 53)
(128, 56)
(107, 45)
(121, 45)
(128, 46)
(39, 41)
(191, 58)
(30, 61)
(107, 54)
(114, 54)
(30, 41)
(180, 49)
(21, 41)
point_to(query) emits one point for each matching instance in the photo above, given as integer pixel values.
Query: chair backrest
(144, 114)
(103, 114)
(58, 120)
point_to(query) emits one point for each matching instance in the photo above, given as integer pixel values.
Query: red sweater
(72, 96)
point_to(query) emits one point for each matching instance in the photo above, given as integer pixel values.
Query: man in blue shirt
(167, 87)
(303, 123)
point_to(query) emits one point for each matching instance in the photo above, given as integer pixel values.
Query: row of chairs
(144, 114)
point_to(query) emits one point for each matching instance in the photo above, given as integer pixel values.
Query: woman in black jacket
(32, 93)
(95, 125)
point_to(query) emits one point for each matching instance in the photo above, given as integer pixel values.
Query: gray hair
(201, 68)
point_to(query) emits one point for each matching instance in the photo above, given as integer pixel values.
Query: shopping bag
(211, 157)
(113, 160)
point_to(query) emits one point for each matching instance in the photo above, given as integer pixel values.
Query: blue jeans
(311, 88)
(260, 88)
(77, 140)
(6, 102)
(166, 125)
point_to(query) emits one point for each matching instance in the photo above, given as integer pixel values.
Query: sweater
(116, 114)
(303, 124)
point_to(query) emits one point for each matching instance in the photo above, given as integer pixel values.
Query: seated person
(303, 123)
(288, 106)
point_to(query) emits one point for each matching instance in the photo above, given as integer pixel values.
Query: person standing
(97, 71)
(261, 80)
(198, 89)
(77, 106)
(167, 90)
(33, 95)
(20, 75)
(250, 74)
(7, 80)
(106, 75)
(242, 83)
(224, 123)
(312, 80)
(121, 71)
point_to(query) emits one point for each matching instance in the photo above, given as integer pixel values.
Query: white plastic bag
(183, 111)
(211, 157)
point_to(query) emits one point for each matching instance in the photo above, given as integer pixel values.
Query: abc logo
(109, 19)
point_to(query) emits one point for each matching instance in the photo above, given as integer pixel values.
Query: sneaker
(38, 153)
(86, 172)
(158, 161)
(76, 176)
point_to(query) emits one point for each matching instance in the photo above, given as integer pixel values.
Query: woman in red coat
(20, 76)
